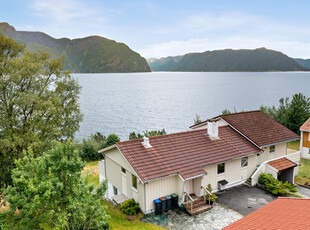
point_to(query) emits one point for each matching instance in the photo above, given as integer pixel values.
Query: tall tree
(38, 104)
(50, 192)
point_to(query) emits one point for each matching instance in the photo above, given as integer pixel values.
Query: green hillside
(258, 60)
(164, 64)
(303, 62)
(92, 54)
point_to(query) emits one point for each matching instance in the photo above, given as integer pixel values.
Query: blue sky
(164, 28)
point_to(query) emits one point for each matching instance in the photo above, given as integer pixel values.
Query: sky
(163, 28)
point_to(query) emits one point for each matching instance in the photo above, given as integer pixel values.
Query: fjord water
(124, 102)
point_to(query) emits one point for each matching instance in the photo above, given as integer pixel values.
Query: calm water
(122, 103)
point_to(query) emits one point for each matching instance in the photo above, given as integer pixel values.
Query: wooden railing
(186, 200)
(205, 192)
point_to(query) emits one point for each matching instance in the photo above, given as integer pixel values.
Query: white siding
(280, 150)
(162, 187)
(233, 172)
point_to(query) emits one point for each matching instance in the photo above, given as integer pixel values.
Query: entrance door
(124, 184)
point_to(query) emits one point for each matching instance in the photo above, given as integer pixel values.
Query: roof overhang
(107, 148)
(295, 139)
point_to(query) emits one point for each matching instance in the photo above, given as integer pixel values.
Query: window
(244, 162)
(114, 190)
(220, 168)
(123, 170)
(309, 151)
(272, 148)
(134, 182)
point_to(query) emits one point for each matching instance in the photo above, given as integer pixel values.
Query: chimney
(213, 129)
(146, 142)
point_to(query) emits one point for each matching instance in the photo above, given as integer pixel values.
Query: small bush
(213, 197)
(130, 207)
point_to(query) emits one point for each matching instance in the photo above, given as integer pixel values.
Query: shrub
(212, 197)
(89, 151)
(130, 207)
(276, 187)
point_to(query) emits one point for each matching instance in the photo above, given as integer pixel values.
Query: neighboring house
(283, 213)
(305, 140)
(224, 152)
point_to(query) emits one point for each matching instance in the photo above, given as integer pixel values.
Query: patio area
(216, 218)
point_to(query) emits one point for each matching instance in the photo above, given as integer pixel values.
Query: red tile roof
(282, 163)
(184, 153)
(306, 125)
(283, 213)
(258, 127)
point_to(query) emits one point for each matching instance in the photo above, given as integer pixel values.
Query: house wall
(234, 173)
(162, 187)
(280, 150)
(114, 162)
(305, 145)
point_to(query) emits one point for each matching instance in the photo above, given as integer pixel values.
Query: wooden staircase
(198, 205)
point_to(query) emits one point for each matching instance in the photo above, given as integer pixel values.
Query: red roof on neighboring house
(184, 153)
(306, 125)
(282, 163)
(283, 213)
(258, 127)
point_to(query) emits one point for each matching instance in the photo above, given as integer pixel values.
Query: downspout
(144, 198)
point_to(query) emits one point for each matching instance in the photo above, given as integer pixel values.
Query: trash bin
(163, 204)
(158, 208)
(168, 200)
(174, 203)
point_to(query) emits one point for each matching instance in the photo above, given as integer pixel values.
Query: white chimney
(213, 129)
(146, 142)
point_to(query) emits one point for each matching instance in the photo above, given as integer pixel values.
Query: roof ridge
(249, 111)
(293, 198)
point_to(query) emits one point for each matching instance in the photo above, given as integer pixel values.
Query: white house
(305, 140)
(224, 152)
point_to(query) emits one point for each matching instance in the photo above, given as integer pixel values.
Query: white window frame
(246, 163)
(133, 188)
(272, 150)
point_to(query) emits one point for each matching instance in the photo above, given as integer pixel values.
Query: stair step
(199, 209)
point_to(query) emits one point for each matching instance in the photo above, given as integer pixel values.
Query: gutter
(295, 139)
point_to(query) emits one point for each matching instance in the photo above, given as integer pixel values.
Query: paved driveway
(244, 199)
(303, 191)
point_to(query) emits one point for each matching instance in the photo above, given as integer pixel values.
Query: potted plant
(212, 197)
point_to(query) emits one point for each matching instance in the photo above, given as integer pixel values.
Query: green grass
(304, 172)
(294, 145)
(117, 218)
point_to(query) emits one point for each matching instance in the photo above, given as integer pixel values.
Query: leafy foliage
(130, 207)
(197, 119)
(38, 104)
(292, 114)
(276, 187)
(212, 197)
(147, 133)
(49, 192)
(89, 147)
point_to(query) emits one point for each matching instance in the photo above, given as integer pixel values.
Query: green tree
(133, 136)
(153, 133)
(292, 114)
(50, 192)
(38, 104)
(197, 119)
(111, 140)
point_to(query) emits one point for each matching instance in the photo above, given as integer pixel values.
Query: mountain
(164, 64)
(92, 54)
(257, 60)
(303, 62)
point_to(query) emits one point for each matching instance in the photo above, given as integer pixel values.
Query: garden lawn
(294, 145)
(118, 220)
(304, 172)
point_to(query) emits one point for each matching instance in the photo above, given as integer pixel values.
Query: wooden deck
(199, 206)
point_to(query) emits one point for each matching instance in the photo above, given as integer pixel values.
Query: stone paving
(216, 218)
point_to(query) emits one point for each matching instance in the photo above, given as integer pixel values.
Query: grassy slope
(117, 218)
(304, 168)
